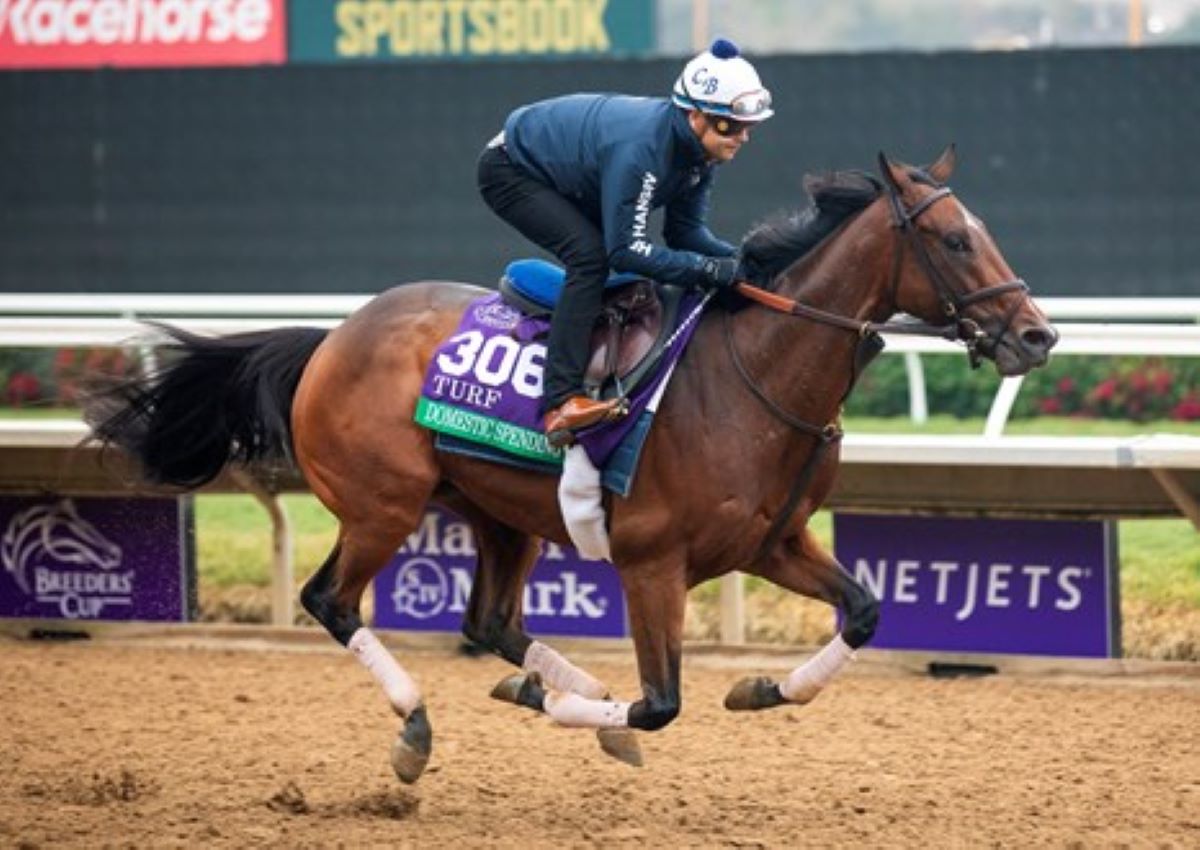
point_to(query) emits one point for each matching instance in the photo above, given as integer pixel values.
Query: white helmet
(720, 82)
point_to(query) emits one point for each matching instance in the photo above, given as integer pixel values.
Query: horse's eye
(957, 242)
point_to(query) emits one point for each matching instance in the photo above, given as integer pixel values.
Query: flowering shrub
(1136, 390)
(55, 377)
(22, 388)
(1129, 388)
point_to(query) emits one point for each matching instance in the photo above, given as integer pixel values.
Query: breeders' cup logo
(422, 589)
(497, 315)
(40, 541)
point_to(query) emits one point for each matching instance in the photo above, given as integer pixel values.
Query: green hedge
(1135, 388)
(45, 377)
(1132, 388)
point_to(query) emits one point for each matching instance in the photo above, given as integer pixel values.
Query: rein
(958, 327)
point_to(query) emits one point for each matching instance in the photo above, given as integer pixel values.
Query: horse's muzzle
(1024, 347)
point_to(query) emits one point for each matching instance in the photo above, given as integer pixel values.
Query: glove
(719, 272)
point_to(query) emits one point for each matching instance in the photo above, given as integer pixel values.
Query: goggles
(751, 104)
(728, 127)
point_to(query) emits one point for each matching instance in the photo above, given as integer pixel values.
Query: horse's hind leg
(332, 596)
(494, 621)
(801, 564)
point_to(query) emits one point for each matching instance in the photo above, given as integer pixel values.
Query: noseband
(957, 327)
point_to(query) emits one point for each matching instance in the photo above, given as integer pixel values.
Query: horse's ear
(888, 172)
(944, 167)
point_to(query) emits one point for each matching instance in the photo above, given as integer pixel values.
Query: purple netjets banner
(428, 582)
(95, 558)
(1038, 587)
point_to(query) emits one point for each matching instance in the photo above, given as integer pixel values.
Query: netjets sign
(1039, 587)
(95, 559)
(427, 585)
(93, 33)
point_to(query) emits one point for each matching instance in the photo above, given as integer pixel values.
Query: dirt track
(137, 743)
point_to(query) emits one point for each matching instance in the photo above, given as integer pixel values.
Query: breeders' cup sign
(1036, 587)
(427, 584)
(165, 33)
(95, 559)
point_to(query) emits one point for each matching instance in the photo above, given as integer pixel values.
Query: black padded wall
(350, 179)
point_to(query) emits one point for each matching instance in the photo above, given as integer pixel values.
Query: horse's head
(68, 538)
(949, 271)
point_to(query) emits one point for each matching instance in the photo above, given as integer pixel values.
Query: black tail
(214, 401)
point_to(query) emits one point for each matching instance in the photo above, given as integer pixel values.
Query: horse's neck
(804, 365)
(848, 274)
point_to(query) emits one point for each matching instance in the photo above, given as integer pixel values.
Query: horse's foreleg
(494, 622)
(332, 596)
(656, 601)
(801, 565)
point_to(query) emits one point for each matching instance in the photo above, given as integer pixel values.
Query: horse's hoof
(521, 689)
(753, 694)
(411, 749)
(621, 744)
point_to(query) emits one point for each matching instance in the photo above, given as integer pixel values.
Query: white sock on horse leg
(578, 711)
(400, 688)
(559, 673)
(807, 680)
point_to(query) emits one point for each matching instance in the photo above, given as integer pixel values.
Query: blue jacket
(617, 158)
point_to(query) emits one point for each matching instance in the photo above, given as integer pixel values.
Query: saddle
(636, 320)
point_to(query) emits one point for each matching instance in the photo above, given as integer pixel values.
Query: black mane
(776, 243)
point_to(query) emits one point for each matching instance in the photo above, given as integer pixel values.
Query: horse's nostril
(1040, 337)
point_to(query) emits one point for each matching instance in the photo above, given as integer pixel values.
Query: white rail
(148, 305)
(49, 320)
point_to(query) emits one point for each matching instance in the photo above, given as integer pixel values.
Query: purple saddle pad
(484, 384)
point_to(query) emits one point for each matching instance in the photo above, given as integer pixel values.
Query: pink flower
(23, 387)
(1188, 409)
(1066, 384)
(1050, 406)
(1105, 390)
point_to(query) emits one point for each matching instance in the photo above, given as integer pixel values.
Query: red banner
(141, 33)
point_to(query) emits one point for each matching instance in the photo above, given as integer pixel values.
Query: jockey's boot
(578, 412)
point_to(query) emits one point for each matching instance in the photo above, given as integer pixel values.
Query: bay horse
(744, 447)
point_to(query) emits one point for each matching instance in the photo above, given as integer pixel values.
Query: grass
(1160, 558)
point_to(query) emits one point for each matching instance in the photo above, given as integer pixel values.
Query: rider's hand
(720, 272)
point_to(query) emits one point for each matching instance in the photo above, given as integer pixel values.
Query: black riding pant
(551, 221)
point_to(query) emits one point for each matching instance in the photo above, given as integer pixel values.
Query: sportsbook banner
(141, 33)
(427, 584)
(379, 30)
(68, 558)
(1036, 587)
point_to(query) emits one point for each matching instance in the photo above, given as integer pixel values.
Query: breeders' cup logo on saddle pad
(497, 315)
(427, 586)
(91, 559)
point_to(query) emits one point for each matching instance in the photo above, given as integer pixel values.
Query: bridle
(957, 327)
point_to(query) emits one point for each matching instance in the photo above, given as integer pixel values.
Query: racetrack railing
(43, 320)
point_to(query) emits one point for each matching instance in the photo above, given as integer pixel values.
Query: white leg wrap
(579, 498)
(400, 688)
(807, 680)
(560, 674)
(574, 710)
